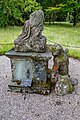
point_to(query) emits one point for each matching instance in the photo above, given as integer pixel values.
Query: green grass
(62, 33)
(8, 35)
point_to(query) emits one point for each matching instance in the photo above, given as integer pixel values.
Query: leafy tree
(68, 6)
(49, 8)
(73, 6)
(29, 7)
(15, 12)
(9, 12)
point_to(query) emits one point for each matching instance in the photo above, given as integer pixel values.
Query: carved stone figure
(63, 85)
(31, 38)
(60, 60)
(60, 79)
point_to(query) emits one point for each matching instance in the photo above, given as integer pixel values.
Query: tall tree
(68, 6)
(49, 8)
(73, 7)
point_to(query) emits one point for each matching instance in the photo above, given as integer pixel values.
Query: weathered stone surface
(25, 71)
(43, 56)
(29, 72)
(40, 72)
(74, 81)
(60, 80)
(31, 38)
(22, 71)
(63, 86)
(60, 60)
(55, 48)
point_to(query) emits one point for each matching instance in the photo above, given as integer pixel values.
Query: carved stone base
(37, 90)
(29, 72)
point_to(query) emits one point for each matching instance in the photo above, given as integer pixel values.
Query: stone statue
(60, 78)
(31, 38)
(60, 60)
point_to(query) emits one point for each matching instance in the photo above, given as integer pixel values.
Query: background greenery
(15, 12)
(62, 33)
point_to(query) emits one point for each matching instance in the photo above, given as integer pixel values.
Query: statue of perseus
(31, 38)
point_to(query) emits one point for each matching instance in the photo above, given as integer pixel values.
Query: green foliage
(61, 8)
(15, 12)
(51, 14)
(31, 6)
(72, 7)
(9, 12)
(55, 11)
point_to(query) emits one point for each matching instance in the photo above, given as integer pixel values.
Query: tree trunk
(74, 17)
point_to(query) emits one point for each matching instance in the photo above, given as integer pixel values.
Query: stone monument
(29, 61)
(31, 38)
(60, 78)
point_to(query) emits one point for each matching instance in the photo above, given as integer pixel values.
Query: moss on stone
(41, 84)
(69, 87)
(61, 58)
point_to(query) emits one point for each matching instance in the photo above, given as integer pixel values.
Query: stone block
(29, 72)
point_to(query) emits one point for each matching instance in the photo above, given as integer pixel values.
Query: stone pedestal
(29, 72)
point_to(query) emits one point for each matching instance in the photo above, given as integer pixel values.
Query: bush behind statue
(14, 12)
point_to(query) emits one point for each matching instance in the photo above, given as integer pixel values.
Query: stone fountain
(29, 61)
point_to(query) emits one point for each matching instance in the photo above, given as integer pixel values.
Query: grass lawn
(62, 33)
(7, 35)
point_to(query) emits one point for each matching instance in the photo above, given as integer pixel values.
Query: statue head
(37, 18)
(57, 49)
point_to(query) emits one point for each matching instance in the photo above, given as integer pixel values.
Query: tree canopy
(15, 12)
(67, 6)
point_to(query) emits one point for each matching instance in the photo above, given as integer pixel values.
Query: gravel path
(17, 106)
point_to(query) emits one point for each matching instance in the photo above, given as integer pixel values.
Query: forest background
(15, 12)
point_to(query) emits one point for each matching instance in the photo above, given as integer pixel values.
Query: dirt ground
(17, 106)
